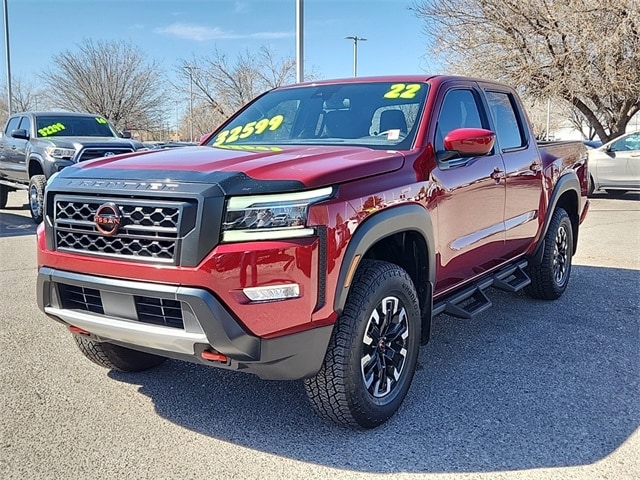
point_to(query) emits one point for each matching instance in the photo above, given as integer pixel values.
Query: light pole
(6, 40)
(299, 41)
(355, 39)
(548, 119)
(177, 123)
(190, 69)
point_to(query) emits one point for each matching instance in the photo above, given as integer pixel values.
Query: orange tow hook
(78, 330)
(214, 356)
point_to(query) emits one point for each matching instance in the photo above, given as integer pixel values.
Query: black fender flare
(402, 218)
(33, 157)
(566, 183)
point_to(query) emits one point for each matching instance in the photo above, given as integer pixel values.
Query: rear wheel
(373, 349)
(116, 357)
(36, 197)
(550, 275)
(4, 195)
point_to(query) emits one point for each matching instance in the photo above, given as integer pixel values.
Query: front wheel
(36, 197)
(373, 349)
(550, 275)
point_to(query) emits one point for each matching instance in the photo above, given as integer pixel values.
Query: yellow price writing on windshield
(402, 90)
(100, 120)
(50, 129)
(251, 128)
(251, 148)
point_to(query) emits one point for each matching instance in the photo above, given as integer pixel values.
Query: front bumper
(109, 309)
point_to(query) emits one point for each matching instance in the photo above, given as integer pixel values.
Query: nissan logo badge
(108, 219)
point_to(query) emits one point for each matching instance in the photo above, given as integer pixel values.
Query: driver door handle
(497, 175)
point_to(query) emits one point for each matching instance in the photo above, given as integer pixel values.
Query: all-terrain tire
(373, 349)
(550, 276)
(36, 197)
(116, 357)
(4, 195)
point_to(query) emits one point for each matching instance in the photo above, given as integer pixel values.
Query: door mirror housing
(20, 133)
(470, 142)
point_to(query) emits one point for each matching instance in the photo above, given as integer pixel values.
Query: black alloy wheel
(384, 347)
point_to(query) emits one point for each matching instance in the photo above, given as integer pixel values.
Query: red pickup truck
(314, 235)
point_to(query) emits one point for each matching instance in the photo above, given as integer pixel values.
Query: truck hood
(283, 167)
(93, 142)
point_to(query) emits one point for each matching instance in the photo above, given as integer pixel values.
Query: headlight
(270, 217)
(57, 152)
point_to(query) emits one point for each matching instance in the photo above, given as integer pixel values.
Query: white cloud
(241, 7)
(201, 34)
(192, 32)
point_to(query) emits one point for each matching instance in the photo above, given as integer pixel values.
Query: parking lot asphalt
(527, 390)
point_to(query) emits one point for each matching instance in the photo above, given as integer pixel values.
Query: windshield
(70, 126)
(378, 115)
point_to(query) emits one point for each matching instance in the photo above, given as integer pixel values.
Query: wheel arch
(35, 166)
(566, 195)
(402, 235)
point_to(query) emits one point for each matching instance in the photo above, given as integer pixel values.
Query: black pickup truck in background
(35, 145)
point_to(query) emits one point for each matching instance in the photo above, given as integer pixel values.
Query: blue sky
(171, 30)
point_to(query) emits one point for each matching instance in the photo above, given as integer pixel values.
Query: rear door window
(510, 131)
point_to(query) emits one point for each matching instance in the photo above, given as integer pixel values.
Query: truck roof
(58, 113)
(411, 78)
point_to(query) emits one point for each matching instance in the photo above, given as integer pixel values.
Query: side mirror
(20, 133)
(469, 142)
(126, 134)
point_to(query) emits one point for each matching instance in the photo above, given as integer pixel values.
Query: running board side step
(512, 279)
(473, 300)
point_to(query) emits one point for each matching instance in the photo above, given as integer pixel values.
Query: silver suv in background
(615, 166)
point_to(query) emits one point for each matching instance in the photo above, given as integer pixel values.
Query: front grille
(74, 297)
(159, 311)
(124, 247)
(149, 230)
(91, 153)
(150, 310)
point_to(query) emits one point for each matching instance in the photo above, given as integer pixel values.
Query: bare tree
(113, 79)
(224, 85)
(24, 97)
(580, 123)
(537, 112)
(586, 52)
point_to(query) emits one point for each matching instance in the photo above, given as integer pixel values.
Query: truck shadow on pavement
(13, 225)
(528, 384)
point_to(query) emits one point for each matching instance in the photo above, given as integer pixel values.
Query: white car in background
(615, 166)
